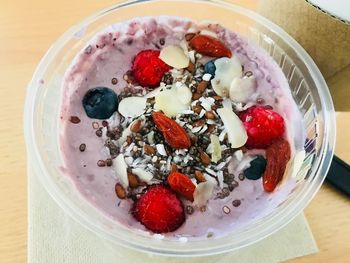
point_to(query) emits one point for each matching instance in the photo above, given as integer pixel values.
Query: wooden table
(27, 29)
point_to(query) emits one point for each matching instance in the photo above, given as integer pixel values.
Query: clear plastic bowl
(306, 82)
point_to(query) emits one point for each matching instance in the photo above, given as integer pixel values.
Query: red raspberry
(159, 209)
(148, 69)
(263, 126)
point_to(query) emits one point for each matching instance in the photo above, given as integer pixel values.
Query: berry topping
(277, 155)
(210, 68)
(182, 185)
(173, 133)
(100, 103)
(256, 169)
(263, 125)
(148, 69)
(209, 46)
(159, 209)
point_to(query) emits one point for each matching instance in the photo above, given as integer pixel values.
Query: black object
(100, 103)
(339, 175)
(256, 169)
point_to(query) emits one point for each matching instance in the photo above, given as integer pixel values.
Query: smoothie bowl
(189, 133)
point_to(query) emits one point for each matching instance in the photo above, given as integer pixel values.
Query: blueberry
(256, 169)
(100, 103)
(210, 68)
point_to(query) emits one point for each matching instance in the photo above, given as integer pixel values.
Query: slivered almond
(199, 123)
(199, 176)
(149, 150)
(197, 109)
(120, 191)
(191, 67)
(205, 159)
(196, 96)
(209, 115)
(133, 180)
(135, 126)
(202, 86)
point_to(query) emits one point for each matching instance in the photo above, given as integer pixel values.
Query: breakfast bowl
(308, 89)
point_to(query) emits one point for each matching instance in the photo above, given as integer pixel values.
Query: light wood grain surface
(27, 28)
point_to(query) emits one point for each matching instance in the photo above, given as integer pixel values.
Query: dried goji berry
(182, 185)
(277, 155)
(209, 46)
(173, 133)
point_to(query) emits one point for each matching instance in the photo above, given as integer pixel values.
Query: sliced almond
(242, 89)
(215, 148)
(226, 70)
(174, 56)
(132, 107)
(203, 192)
(184, 94)
(120, 168)
(236, 132)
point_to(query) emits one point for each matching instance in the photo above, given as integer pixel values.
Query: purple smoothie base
(110, 55)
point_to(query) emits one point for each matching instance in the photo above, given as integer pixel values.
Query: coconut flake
(161, 149)
(238, 155)
(174, 56)
(153, 93)
(236, 132)
(132, 107)
(206, 77)
(120, 169)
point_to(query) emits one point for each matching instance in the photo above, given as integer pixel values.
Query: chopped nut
(189, 36)
(135, 126)
(149, 150)
(205, 158)
(199, 123)
(197, 108)
(128, 140)
(133, 180)
(196, 96)
(95, 125)
(209, 115)
(138, 138)
(191, 67)
(211, 128)
(173, 168)
(194, 139)
(214, 107)
(202, 86)
(217, 97)
(199, 176)
(120, 191)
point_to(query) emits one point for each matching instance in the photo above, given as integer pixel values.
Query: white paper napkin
(55, 237)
